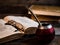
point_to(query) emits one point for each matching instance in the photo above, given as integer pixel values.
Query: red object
(46, 34)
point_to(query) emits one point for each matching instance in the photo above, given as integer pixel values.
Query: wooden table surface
(56, 41)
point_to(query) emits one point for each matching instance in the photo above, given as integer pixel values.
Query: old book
(8, 32)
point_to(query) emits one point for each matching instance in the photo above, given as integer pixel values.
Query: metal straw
(40, 24)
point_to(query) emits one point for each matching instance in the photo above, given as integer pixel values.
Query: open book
(8, 32)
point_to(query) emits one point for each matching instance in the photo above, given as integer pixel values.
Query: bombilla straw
(40, 24)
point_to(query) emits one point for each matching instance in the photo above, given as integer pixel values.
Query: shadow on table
(27, 42)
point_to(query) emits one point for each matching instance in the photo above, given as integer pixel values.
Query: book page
(29, 25)
(7, 30)
(26, 22)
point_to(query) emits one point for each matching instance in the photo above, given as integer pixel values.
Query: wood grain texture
(45, 10)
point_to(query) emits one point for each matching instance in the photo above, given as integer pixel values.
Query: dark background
(41, 2)
(11, 6)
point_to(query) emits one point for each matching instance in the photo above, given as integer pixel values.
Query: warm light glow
(41, 27)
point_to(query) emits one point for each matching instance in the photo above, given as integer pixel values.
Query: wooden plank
(45, 10)
(46, 18)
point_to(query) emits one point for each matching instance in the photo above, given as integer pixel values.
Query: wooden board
(45, 10)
